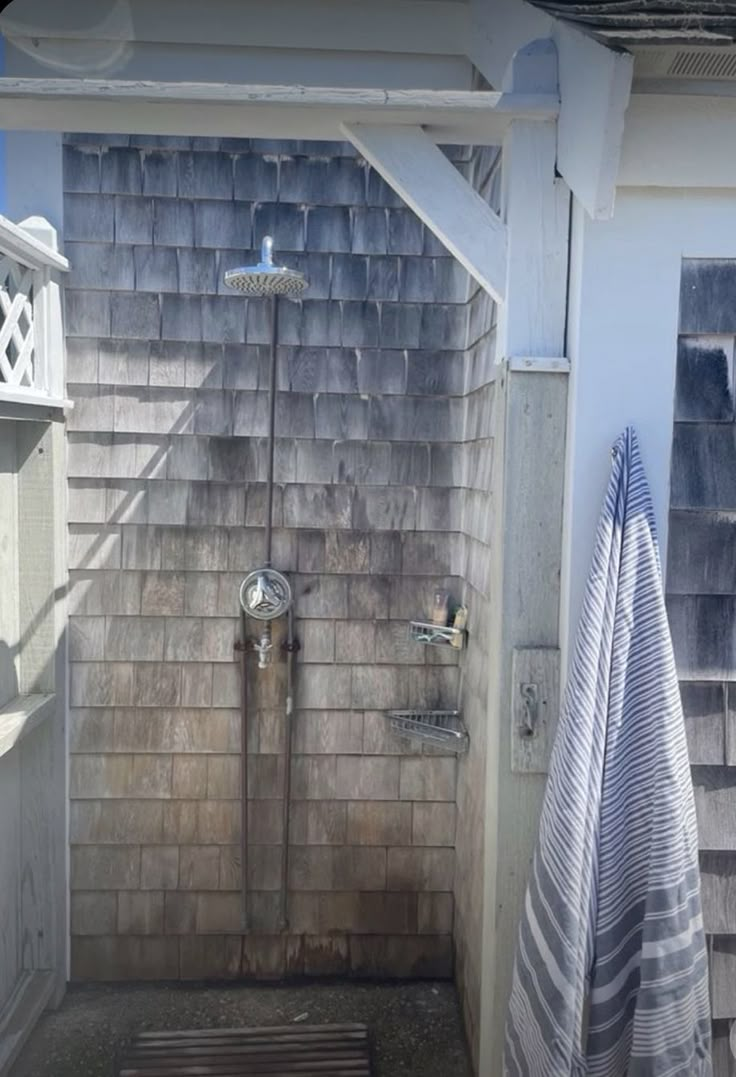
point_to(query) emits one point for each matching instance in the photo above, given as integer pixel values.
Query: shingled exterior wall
(377, 443)
(701, 586)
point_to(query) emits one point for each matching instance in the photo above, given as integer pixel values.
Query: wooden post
(47, 316)
(33, 793)
(529, 475)
(33, 850)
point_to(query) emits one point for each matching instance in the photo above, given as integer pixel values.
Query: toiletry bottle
(459, 622)
(440, 608)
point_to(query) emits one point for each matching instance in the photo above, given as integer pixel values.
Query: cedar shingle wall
(382, 469)
(701, 598)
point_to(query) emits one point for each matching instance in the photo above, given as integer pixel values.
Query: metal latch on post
(534, 709)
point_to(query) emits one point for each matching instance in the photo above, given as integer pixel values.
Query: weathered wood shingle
(706, 719)
(704, 466)
(167, 455)
(700, 553)
(701, 600)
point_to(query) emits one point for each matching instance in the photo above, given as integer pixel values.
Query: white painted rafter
(595, 86)
(229, 109)
(440, 196)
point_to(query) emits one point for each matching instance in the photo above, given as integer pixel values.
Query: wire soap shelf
(441, 729)
(437, 635)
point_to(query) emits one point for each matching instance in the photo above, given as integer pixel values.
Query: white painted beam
(535, 205)
(497, 29)
(595, 85)
(536, 211)
(234, 110)
(437, 192)
(532, 106)
(528, 487)
(417, 26)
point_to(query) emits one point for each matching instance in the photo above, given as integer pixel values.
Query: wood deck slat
(283, 1051)
(257, 1030)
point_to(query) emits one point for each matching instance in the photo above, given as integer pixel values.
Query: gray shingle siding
(383, 494)
(701, 594)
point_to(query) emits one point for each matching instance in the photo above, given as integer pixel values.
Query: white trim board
(534, 364)
(234, 110)
(595, 85)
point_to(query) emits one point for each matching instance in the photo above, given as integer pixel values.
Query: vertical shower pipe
(265, 636)
(261, 280)
(242, 648)
(271, 433)
(291, 648)
(289, 645)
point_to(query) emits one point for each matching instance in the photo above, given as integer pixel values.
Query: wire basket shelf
(441, 729)
(437, 635)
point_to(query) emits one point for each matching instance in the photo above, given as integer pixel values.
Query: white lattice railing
(31, 330)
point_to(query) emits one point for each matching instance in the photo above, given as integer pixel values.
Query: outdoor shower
(265, 593)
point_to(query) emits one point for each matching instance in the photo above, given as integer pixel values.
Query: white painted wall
(284, 66)
(622, 340)
(387, 43)
(33, 177)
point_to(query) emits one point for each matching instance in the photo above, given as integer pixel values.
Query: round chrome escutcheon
(265, 594)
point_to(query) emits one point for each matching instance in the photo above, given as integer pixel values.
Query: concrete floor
(416, 1027)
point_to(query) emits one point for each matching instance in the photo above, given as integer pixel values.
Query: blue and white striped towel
(611, 977)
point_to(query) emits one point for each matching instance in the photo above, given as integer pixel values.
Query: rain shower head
(265, 278)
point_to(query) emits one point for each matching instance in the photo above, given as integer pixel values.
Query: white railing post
(32, 354)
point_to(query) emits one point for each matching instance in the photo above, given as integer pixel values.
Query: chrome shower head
(265, 278)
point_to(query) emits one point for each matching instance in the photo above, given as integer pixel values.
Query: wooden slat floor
(289, 1051)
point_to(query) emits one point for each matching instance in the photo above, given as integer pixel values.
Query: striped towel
(611, 937)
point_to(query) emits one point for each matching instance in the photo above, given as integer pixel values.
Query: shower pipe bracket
(292, 647)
